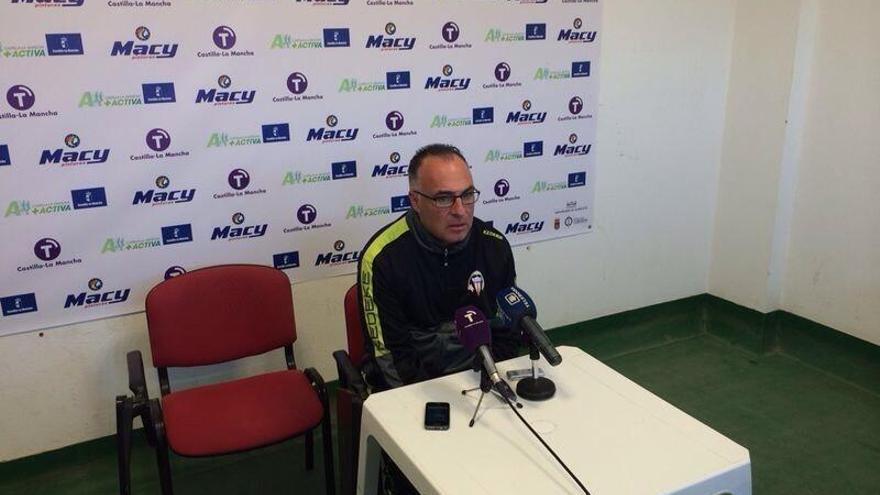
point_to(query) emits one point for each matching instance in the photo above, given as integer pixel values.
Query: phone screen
(437, 416)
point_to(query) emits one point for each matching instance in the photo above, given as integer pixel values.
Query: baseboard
(83, 452)
(630, 331)
(743, 327)
(849, 358)
(852, 359)
(844, 356)
(72, 454)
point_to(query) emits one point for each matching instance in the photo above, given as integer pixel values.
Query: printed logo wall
(143, 139)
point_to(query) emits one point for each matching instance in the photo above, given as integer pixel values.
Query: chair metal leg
(164, 469)
(124, 417)
(162, 458)
(326, 433)
(349, 407)
(346, 447)
(326, 436)
(310, 451)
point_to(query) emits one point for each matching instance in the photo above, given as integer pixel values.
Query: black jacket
(410, 286)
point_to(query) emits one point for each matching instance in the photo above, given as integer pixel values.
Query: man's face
(444, 175)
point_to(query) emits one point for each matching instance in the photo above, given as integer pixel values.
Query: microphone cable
(567, 470)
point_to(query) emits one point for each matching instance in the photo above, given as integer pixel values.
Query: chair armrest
(317, 382)
(349, 376)
(137, 383)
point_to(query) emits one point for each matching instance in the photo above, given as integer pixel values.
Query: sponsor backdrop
(141, 139)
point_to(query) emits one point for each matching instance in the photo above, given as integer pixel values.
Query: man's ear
(414, 201)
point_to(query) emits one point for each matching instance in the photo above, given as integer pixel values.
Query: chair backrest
(218, 314)
(353, 329)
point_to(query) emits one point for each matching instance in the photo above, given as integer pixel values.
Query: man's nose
(457, 207)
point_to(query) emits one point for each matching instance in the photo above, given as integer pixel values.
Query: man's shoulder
(386, 238)
(488, 233)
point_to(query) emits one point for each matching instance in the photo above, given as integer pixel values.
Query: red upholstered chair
(351, 393)
(210, 316)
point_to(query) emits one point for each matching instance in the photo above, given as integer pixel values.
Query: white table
(616, 436)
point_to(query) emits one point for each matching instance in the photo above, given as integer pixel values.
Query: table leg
(368, 465)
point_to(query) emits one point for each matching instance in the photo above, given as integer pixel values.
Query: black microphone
(518, 310)
(473, 332)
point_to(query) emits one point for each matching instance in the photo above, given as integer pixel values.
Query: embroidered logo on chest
(475, 283)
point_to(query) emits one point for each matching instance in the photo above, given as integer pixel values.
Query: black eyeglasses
(468, 197)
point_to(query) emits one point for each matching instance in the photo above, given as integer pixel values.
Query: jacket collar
(430, 243)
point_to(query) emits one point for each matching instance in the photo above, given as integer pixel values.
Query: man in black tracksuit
(416, 271)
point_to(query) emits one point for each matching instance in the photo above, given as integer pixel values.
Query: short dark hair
(436, 149)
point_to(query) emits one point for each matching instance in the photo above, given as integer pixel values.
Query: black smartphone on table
(437, 416)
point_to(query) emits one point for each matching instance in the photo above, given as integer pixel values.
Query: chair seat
(240, 414)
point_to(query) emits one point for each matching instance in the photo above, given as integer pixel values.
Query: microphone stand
(484, 388)
(535, 387)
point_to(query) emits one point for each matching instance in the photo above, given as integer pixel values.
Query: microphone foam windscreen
(513, 303)
(472, 328)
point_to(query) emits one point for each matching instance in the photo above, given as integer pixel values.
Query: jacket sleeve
(416, 353)
(394, 331)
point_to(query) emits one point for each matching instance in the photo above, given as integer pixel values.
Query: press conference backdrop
(141, 139)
